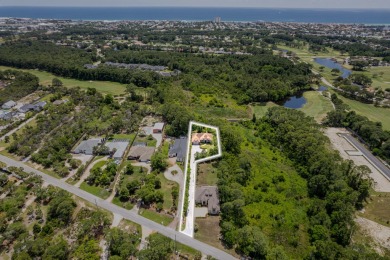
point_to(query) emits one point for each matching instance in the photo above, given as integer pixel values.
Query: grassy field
(124, 136)
(127, 205)
(106, 87)
(185, 251)
(209, 232)
(376, 114)
(377, 209)
(317, 105)
(97, 191)
(166, 188)
(260, 109)
(156, 217)
(206, 175)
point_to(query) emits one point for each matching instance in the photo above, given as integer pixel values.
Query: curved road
(182, 238)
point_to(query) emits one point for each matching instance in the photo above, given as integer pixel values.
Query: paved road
(184, 239)
(368, 155)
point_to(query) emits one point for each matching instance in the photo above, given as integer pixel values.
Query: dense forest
(20, 84)
(311, 200)
(258, 77)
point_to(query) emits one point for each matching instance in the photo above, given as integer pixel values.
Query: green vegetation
(160, 247)
(317, 105)
(376, 209)
(20, 84)
(95, 190)
(373, 113)
(45, 79)
(372, 133)
(156, 217)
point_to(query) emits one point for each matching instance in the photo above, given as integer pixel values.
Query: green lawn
(166, 188)
(149, 141)
(99, 165)
(95, 190)
(106, 87)
(124, 136)
(156, 217)
(206, 175)
(376, 114)
(317, 105)
(182, 249)
(127, 205)
(260, 109)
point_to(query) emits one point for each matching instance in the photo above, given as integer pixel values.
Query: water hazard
(329, 63)
(294, 102)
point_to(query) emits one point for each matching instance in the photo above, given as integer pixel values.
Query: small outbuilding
(158, 128)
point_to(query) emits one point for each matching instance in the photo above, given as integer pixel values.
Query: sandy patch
(379, 233)
(348, 152)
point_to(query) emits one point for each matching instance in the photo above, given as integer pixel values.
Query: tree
(88, 250)
(252, 242)
(124, 194)
(6, 139)
(121, 244)
(158, 162)
(129, 170)
(56, 82)
(58, 250)
(61, 208)
(36, 229)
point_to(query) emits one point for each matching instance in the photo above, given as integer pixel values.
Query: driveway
(179, 178)
(149, 131)
(87, 171)
(190, 219)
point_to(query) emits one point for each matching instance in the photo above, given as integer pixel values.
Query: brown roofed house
(201, 138)
(207, 196)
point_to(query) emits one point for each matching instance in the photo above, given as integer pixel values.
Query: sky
(379, 4)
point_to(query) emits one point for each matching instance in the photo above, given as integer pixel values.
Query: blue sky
(207, 3)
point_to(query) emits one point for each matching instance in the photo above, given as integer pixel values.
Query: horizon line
(220, 7)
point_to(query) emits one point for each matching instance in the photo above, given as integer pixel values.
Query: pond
(295, 102)
(322, 88)
(327, 62)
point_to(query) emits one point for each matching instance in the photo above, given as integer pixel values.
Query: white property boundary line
(193, 171)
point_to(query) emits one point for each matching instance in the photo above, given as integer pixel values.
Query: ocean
(202, 14)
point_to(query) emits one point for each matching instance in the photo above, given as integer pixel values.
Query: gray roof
(142, 153)
(29, 107)
(8, 115)
(158, 126)
(208, 196)
(179, 148)
(26, 108)
(120, 147)
(9, 104)
(86, 147)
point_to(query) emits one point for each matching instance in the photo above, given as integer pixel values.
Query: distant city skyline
(329, 4)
